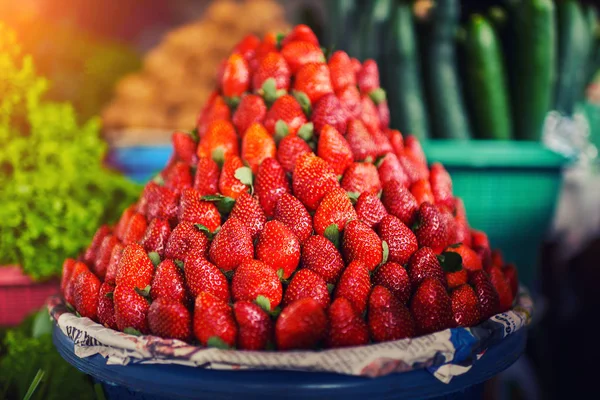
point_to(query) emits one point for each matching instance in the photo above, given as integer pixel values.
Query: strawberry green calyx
(210, 235)
(217, 343)
(179, 264)
(353, 196)
(232, 102)
(159, 180)
(224, 204)
(306, 131)
(154, 257)
(279, 40)
(304, 102)
(386, 252)
(194, 134)
(377, 95)
(332, 233)
(269, 91)
(244, 175)
(109, 295)
(281, 130)
(145, 292)
(132, 331)
(265, 304)
(450, 261)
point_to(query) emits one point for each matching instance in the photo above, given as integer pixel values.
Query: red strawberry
(249, 212)
(197, 211)
(355, 285)
(340, 68)
(307, 283)
(411, 169)
(334, 149)
(168, 282)
(254, 278)
(299, 53)
(229, 185)
(247, 46)
(430, 228)
(270, 184)
(287, 109)
(184, 147)
(368, 76)
(156, 236)
(213, 318)
(431, 307)
(497, 259)
(346, 327)
(125, 217)
(69, 292)
(465, 306)
(396, 141)
(463, 233)
(382, 143)
(369, 115)
(290, 148)
(388, 318)
(361, 243)
(456, 278)
(202, 276)
(383, 112)
(251, 109)
(170, 319)
(502, 286)
(279, 248)
(106, 305)
(312, 179)
(255, 328)
(360, 141)
(300, 33)
(361, 178)
(414, 151)
(370, 209)
(115, 257)
(321, 256)
(159, 202)
(356, 65)
(135, 229)
(67, 271)
(85, 293)
(257, 145)
(216, 109)
(272, 65)
(301, 325)
(401, 241)
(394, 277)
(313, 80)
(398, 201)
(91, 252)
(235, 76)
(231, 246)
(390, 169)
(451, 226)
(184, 238)
(220, 141)
(177, 177)
(470, 259)
(511, 275)
(481, 245)
(335, 208)
(441, 185)
(329, 111)
(350, 100)
(421, 189)
(292, 212)
(131, 309)
(103, 258)
(135, 269)
(424, 264)
(489, 302)
(459, 208)
(268, 45)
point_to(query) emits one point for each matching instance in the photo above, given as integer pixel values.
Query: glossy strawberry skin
(502, 287)
(159, 202)
(184, 147)
(254, 278)
(489, 302)
(370, 209)
(287, 109)
(313, 79)
(168, 282)
(216, 109)
(272, 65)
(169, 319)
(279, 248)
(231, 246)
(465, 306)
(135, 270)
(270, 184)
(115, 257)
(321, 256)
(306, 283)
(312, 179)
(350, 100)
(300, 33)
(249, 212)
(399, 202)
(369, 115)
(401, 241)
(86, 287)
(299, 53)
(252, 109)
(106, 305)
(177, 177)
(430, 227)
(247, 46)
(257, 145)
(396, 140)
(421, 189)
(290, 148)
(361, 178)
(67, 271)
(388, 318)
(335, 208)
(156, 236)
(69, 292)
(136, 228)
(340, 67)
(360, 141)
(441, 185)
(292, 212)
(511, 275)
(390, 169)
(255, 328)
(206, 181)
(103, 257)
(457, 278)
(184, 238)
(431, 307)
(346, 327)
(213, 318)
(355, 285)
(301, 325)
(334, 149)
(424, 264)
(361, 243)
(131, 309)
(229, 185)
(91, 252)
(368, 76)
(221, 138)
(470, 259)
(394, 277)
(235, 76)
(329, 111)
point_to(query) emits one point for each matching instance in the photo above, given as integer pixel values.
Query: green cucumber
(403, 84)
(373, 27)
(342, 16)
(444, 93)
(486, 81)
(573, 54)
(592, 20)
(535, 66)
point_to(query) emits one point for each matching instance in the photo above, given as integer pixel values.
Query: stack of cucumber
(462, 69)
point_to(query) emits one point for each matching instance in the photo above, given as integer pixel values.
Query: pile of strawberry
(293, 217)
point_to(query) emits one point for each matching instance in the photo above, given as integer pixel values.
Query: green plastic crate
(510, 190)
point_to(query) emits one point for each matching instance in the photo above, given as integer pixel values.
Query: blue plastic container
(155, 381)
(139, 163)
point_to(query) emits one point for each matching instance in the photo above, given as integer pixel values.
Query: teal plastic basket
(510, 190)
